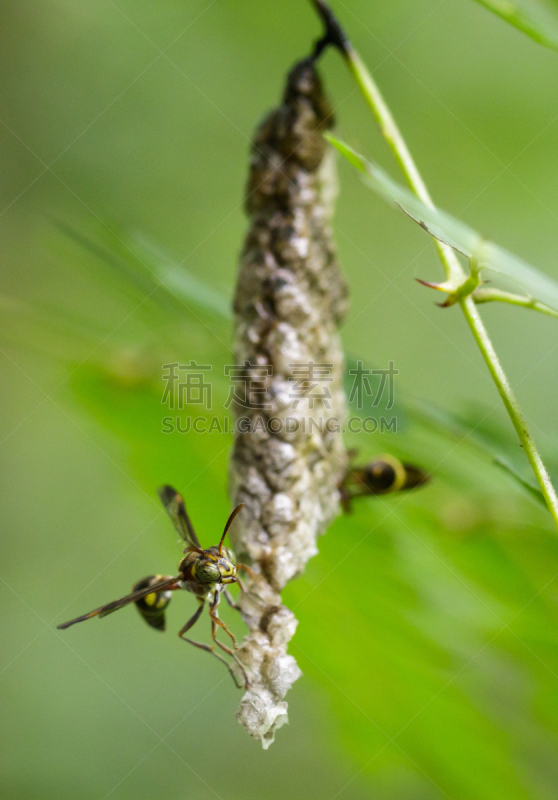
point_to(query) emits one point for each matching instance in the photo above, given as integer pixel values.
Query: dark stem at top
(334, 34)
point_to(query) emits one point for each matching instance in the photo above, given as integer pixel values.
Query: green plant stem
(484, 295)
(499, 377)
(454, 271)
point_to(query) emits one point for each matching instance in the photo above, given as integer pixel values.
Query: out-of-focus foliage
(537, 18)
(428, 622)
(421, 592)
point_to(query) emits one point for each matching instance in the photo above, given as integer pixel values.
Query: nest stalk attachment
(334, 35)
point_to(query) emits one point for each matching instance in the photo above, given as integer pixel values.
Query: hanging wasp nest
(288, 457)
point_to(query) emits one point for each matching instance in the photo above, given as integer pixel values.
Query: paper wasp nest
(290, 298)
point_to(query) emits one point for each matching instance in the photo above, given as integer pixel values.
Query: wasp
(204, 573)
(383, 475)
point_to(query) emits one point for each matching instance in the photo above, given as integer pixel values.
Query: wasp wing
(174, 504)
(168, 583)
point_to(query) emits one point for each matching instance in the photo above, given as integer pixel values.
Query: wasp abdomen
(152, 607)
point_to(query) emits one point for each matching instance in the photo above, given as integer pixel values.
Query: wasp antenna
(228, 525)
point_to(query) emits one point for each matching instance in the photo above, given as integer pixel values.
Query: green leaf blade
(453, 232)
(536, 18)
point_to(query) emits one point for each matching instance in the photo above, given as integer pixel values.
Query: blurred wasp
(384, 475)
(205, 573)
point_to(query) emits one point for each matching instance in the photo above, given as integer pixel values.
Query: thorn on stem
(450, 300)
(431, 285)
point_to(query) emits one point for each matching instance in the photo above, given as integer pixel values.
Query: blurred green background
(428, 630)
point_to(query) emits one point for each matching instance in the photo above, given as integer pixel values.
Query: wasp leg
(255, 599)
(230, 599)
(258, 601)
(193, 619)
(249, 570)
(215, 621)
(345, 498)
(201, 645)
(211, 650)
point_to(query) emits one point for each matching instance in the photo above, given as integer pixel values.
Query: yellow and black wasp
(205, 573)
(383, 475)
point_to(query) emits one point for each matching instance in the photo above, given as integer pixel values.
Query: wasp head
(213, 566)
